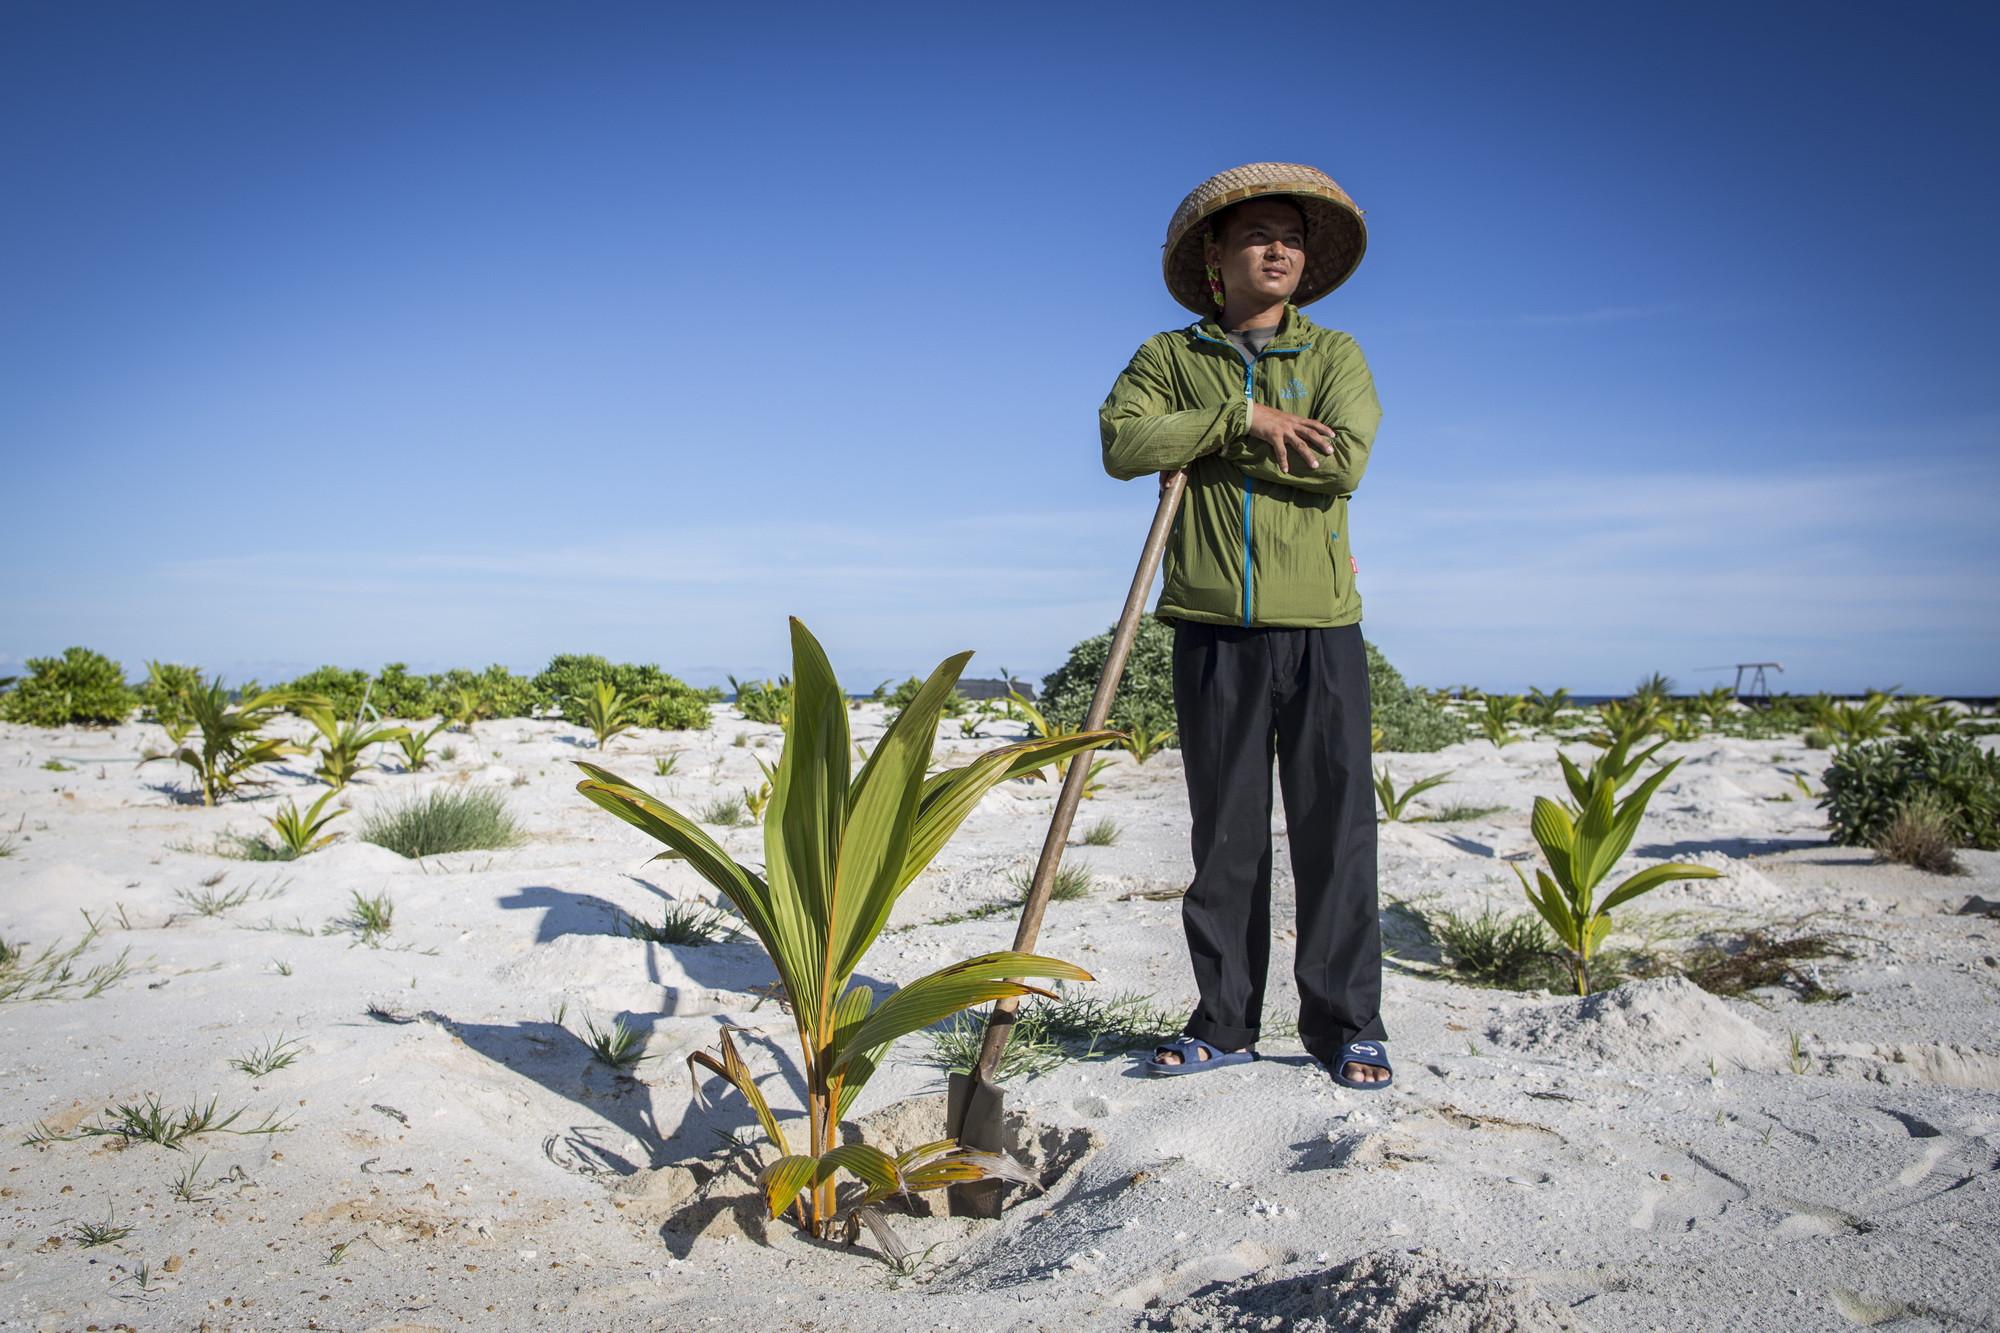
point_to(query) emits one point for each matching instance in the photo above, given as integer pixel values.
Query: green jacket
(1252, 545)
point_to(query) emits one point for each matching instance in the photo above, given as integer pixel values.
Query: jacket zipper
(1249, 487)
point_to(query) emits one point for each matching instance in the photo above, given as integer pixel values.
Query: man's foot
(1364, 1065)
(1189, 1055)
(1168, 1055)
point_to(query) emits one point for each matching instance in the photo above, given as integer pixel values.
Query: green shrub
(1145, 699)
(162, 694)
(340, 688)
(1411, 721)
(500, 692)
(1867, 784)
(665, 702)
(80, 686)
(398, 694)
(899, 698)
(764, 700)
(447, 820)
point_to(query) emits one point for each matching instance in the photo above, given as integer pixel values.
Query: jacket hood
(1294, 329)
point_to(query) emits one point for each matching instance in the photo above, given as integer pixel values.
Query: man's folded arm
(1346, 402)
(1141, 435)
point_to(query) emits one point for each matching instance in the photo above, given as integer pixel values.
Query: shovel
(974, 1105)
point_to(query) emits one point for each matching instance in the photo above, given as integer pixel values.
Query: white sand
(1541, 1163)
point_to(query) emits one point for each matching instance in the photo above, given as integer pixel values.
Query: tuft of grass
(446, 820)
(1458, 812)
(978, 912)
(1104, 833)
(1072, 883)
(1795, 1054)
(1757, 958)
(148, 1121)
(370, 918)
(92, 1234)
(1920, 834)
(52, 973)
(187, 1186)
(618, 1046)
(1049, 1032)
(664, 764)
(208, 900)
(726, 811)
(683, 923)
(268, 1058)
(1495, 950)
(57, 766)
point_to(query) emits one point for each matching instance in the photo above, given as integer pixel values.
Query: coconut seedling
(838, 852)
(416, 745)
(1543, 708)
(1496, 718)
(1394, 802)
(608, 711)
(300, 833)
(343, 743)
(1581, 851)
(231, 743)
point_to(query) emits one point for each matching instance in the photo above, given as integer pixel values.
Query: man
(1272, 418)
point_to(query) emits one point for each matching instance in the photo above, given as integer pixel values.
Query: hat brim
(1336, 237)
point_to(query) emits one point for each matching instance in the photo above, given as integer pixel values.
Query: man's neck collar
(1291, 325)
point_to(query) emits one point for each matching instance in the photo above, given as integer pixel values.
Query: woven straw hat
(1335, 233)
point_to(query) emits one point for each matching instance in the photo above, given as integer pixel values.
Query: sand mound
(1667, 1023)
(1385, 1291)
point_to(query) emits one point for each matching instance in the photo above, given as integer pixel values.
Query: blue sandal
(1190, 1062)
(1362, 1053)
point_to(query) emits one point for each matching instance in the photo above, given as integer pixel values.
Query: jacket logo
(1292, 389)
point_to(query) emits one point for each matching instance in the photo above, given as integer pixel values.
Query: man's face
(1261, 251)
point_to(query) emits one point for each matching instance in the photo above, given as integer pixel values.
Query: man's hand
(1287, 434)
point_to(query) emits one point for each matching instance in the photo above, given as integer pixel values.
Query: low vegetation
(149, 1121)
(79, 688)
(1072, 884)
(1050, 1030)
(684, 924)
(231, 746)
(1921, 834)
(1394, 802)
(55, 972)
(459, 819)
(1581, 847)
(1870, 786)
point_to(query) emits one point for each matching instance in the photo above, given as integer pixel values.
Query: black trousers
(1244, 695)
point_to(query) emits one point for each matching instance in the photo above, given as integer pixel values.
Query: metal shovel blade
(973, 1110)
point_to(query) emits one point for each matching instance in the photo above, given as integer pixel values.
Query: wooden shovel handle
(1000, 1024)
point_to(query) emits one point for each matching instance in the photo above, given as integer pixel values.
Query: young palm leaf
(1393, 802)
(1581, 852)
(1626, 722)
(838, 852)
(300, 833)
(231, 744)
(415, 745)
(607, 711)
(1144, 742)
(342, 743)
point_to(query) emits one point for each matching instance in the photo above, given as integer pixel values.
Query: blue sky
(468, 333)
